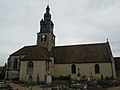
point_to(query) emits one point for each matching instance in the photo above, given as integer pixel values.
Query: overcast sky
(76, 22)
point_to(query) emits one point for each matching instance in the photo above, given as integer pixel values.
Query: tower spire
(47, 15)
(45, 37)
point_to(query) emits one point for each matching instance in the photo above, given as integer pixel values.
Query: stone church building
(36, 61)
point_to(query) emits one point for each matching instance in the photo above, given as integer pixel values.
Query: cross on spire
(48, 2)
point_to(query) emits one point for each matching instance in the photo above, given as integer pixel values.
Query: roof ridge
(81, 45)
(35, 46)
(30, 46)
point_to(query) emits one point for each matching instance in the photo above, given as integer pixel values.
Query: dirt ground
(114, 88)
(19, 87)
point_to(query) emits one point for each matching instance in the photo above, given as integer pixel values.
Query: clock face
(43, 36)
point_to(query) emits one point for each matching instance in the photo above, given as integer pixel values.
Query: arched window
(41, 38)
(97, 69)
(30, 67)
(9, 63)
(73, 69)
(15, 64)
(45, 38)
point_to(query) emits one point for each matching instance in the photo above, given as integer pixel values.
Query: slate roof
(32, 53)
(86, 53)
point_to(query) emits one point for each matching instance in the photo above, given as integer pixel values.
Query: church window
(73, 69)
(41, 38)
(30, 67)
(15, 64)
(45, 38)
(97, 69)
(9, 63)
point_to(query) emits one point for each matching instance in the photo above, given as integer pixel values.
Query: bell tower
(45, 37)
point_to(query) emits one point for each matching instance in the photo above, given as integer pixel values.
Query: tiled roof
(117, 63)
(86, 53)
(82, 53)
(23, 51)
(32, 53)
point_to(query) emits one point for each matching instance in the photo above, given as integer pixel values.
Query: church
(37, 61)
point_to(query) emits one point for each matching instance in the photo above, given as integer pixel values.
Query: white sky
(76, 22)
